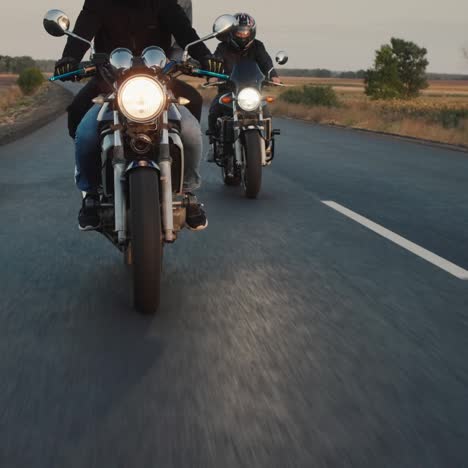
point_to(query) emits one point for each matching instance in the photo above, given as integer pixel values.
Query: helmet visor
(243, 33)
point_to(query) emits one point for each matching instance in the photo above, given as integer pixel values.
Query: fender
(142, 163)
(259, 129)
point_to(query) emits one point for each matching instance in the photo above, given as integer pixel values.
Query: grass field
(9, 92)
(436, 87)
(439, 114)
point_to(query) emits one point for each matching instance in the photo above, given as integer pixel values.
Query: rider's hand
(66, 65)
(213, 64)
(276, 80)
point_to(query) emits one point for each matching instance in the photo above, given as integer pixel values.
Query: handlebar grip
(81, 72)
(221, 76)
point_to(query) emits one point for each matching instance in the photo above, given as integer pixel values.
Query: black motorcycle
(244, 142)
(143, 205)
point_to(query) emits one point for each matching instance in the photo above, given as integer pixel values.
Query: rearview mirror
(56, 23)
(223, 24)
(282, 58)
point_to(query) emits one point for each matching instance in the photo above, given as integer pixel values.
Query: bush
(311, 96)
(30, 80)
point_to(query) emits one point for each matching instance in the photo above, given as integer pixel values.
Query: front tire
(146, 241)
(252, 177)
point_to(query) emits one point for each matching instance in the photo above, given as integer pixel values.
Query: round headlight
(249, 99)
(141, 99)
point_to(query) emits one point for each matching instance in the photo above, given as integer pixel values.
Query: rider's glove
(66, 65)
(213, 64)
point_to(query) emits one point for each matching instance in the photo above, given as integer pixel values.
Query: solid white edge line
(430, 257)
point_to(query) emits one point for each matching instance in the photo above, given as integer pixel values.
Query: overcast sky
(335, 34)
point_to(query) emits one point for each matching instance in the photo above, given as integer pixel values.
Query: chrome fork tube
(263, 143)
(237, 143)
(119, 196)
(166, 182)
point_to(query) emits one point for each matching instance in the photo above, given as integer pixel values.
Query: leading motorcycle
(143, 205)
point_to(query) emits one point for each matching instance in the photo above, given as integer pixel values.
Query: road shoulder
(46, 106)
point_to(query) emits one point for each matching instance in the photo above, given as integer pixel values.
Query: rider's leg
(81, 104)
(215, 112)
(182, 89)
(88, 165)
(87, 152)
(193, 145)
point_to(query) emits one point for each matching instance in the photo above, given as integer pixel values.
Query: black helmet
(243, 34)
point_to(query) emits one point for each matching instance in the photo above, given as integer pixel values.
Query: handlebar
(200, 72)
(89, 68)
(213, 85)
(281, 85)
(86, 70)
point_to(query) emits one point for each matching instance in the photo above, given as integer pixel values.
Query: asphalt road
(289, 335)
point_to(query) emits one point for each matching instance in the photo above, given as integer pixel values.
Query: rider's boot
(88, 218)
(196, 217)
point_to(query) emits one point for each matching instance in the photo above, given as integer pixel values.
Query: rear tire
(252, 177)
(146, 244)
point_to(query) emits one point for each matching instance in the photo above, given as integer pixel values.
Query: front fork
(165, 162)
(238, 144)
(120, 201)
(120, 168)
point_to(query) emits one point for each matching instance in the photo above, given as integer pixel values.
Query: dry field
(9, 92)
(436, 87)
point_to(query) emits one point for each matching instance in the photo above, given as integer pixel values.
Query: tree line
(17, 65)
(360, 74)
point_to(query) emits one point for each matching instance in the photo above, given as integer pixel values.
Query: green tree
(399, 71)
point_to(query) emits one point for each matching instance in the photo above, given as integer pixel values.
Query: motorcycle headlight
(141, 99)
(249, 99)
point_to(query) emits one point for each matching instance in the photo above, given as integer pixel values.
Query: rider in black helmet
(239, 43)
(243, 35)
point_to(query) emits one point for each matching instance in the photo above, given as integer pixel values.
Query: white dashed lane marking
(415, 249)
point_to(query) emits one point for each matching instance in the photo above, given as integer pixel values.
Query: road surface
(290, 334)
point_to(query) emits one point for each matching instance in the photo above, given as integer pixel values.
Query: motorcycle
(244, 142)
(143, 205)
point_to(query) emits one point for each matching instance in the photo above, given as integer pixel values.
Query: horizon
(363, 26)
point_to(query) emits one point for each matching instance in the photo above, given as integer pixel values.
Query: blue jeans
(88, 151)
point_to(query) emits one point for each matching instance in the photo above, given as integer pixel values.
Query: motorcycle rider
(240, 43)
(181, 88)
(135, 24)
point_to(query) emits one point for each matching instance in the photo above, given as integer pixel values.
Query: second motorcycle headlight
(249, 99)
(141, 99)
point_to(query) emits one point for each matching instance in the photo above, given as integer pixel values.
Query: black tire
(146, 239)
(253, 163)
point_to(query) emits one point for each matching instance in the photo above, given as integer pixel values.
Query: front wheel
(146, 244)
(252, 173)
